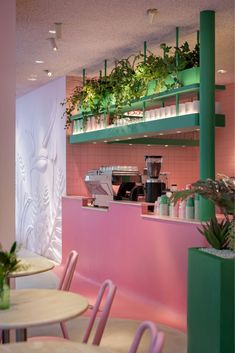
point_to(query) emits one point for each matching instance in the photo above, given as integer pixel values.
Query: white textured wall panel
(40, 169)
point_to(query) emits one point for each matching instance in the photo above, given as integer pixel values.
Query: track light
(53, 43)
(48, 72)
(152, 13)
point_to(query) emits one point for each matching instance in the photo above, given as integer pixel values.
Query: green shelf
(138, 104)
(184, 123)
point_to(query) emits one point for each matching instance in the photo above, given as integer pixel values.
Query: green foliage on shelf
(221, 192)
(129, 80)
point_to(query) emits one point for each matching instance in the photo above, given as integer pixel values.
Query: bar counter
(144, 255)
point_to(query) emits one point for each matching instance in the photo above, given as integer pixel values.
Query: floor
(119, 332)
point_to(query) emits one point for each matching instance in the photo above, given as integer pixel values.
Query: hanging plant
(129, 81)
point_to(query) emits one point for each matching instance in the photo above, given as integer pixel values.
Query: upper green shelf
(185, 123)
(138, 104)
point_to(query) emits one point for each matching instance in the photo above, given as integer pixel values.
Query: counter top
(142, 206)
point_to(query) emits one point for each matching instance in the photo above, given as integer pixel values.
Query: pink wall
(145, 257)
(181, 163)
(7, 121)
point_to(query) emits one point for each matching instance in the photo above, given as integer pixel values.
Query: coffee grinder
(154, 186)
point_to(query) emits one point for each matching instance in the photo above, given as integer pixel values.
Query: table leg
(21, 335)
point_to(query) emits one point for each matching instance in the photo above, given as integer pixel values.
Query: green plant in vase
(220, 234)
(8, 263)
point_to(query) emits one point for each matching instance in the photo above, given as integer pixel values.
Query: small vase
(4, 295)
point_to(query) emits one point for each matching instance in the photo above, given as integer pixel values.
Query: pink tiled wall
(182, 163)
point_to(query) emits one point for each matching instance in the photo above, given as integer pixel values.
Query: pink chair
(107, 288)
(69, 268)
(156, 338)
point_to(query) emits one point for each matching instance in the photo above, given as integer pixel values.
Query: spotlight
(152, 13)
(48, 72)
(53, 43)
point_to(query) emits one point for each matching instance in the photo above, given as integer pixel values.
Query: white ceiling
(94, 30)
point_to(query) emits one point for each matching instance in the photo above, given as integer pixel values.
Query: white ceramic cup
(196, 106)
(162, 113)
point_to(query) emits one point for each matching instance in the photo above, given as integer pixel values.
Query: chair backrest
(156, 338)
(68, 272)
(110, 289)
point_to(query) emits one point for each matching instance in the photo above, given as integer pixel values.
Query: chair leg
(64, 330)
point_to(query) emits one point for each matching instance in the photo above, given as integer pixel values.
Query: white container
(147, 115)
(168, 112)
(162, 113)
(189, 107)
(173, 110)
(157, 113)
(196, 207)
(189, 214)
(182, 209)
(182, 109)
(174, 210)
(196, 106)
(152, 114)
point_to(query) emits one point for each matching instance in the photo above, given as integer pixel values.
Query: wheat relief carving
(40, 183)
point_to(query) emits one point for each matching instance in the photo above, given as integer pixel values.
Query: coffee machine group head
(154, 186)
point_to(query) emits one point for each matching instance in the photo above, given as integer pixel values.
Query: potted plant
(8, 263)
(211, 272)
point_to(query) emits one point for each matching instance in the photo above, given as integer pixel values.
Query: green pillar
(207, 105)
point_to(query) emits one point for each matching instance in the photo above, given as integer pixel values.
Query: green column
(207, 105)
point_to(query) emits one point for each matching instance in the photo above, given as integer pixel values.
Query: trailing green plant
(221, 192)
(129, 80)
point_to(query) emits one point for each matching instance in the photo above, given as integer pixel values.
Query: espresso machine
(154, 186)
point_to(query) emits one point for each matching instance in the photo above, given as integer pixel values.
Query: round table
(32, 266)
(52, 346)
(35, 307)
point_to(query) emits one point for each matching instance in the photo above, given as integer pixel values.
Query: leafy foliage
(129, 80)
(222, 193)
(218, 234)
(8, 261)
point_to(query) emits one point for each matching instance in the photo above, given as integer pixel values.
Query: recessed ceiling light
(48, 72)
(52, 31)
(221, 71)
(39, 61)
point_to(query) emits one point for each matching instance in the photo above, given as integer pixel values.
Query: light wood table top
(32, 266)
(55, 347)
(34, 307)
